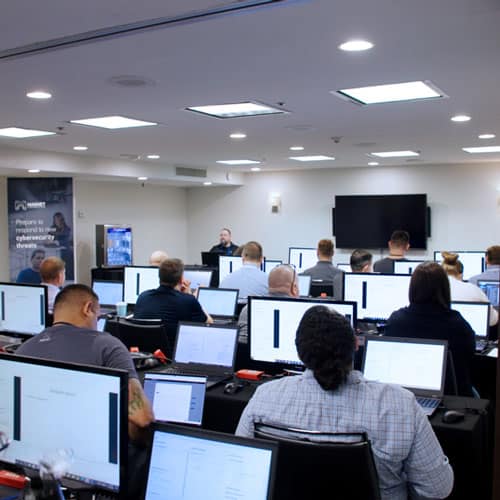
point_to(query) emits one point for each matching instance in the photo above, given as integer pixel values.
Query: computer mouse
(452, 416)
(232, 387)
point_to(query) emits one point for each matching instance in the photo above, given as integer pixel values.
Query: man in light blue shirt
(331, 397)
(492, 272)
(249, 279)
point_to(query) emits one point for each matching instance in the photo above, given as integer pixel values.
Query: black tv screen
(367, 221)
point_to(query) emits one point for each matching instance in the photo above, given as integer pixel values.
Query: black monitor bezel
(217, 290)
(123, 408)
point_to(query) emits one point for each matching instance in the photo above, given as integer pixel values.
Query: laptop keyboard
(428, 404)
(481, 345)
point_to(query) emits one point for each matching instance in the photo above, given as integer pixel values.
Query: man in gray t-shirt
(74, 338)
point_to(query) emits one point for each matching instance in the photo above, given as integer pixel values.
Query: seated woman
(429, 316)
(461, 290)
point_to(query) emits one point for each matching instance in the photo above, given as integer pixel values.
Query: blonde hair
(451, 264)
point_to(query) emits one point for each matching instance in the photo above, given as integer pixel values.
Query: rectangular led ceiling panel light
(113, 122)
(249, 108)
(394, 154)
(312, 158)
(238, 162)
(394, 92)
(484, 149)
(23, 133)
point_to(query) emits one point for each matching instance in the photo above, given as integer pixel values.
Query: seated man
(282, 282)
(361, 261)
(53, 273)
(225, 246)
(31, 274)
(172, 301)
(74, 338)
(249, 279)
(331, 397)
(325, 271)
(399, 244)
(157, 257)
(492, 272)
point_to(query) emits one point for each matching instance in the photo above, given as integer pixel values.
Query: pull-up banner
(40, 213)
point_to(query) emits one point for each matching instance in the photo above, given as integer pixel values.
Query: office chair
(322, 465)
(147, 337)
(319, 286)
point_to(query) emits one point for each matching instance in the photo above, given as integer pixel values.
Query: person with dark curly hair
(332, 397)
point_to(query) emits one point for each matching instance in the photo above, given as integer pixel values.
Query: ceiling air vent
(190, 172)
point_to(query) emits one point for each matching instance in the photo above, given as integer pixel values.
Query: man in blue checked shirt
(332, 397)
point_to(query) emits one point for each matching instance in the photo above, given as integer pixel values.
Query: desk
(467, 443)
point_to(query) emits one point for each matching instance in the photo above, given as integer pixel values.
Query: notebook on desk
(415, 364)
(220, 303)
(202, 349)
(176, 398)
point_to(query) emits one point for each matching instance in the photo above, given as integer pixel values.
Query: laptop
(202, 349)
(416, 364)
(198, 278)
(491, 290)
(220, 303)
(109, 293)
(304, 285)
(193, 464)
(176, 398)
(477, 314)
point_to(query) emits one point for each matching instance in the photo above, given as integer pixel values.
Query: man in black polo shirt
(399, 244)
(225, 246)
(172, 301)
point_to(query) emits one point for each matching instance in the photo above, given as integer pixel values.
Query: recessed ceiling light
(255, 169)
(23, 133)
(460, 118)
(395, 154)
(248, 108)
(356, 45)
(373, 163)
(238, 162)
(142, 178)
(483, 149)
(207, 183)
(39, 94)
(238, 135)
(113, 122)
(80, 148)
(486, 136)
(312, 158)
(153, 157)
(297, 148)
(394, 92)
(34, 171)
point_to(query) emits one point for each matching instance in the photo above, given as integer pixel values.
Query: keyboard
(429, 405)
(481, 345)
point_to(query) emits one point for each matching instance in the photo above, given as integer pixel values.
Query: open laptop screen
(109, 292)
(204, 344)
(227, 265)
(474, 262)
(176, 398)
(477, 314)
(302, 258)
(220, 302)
(304, 285)
(273, 322)
(377, 295)
(198, 278)
(193, 464)
(414, 364)
(492, 291)
(137, 280)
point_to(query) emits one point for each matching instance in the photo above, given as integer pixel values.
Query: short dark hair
(38, 250)
(325, 344)
(429, 284)
(170, 272)
(75, 294)
(326, 248)
(252, 251)
(493, 254)
(400, 238)
(359, 259)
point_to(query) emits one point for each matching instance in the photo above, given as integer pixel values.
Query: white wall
(463, 199)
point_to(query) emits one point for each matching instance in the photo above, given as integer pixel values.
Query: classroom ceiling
(282, 53)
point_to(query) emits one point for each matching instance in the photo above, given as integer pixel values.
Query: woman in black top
(429, 316)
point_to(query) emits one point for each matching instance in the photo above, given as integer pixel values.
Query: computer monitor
(220, 302)
(176, 398)
(377, 295)
(302, 258)
(138, 279)
(474, 262)
(52, 410)
(304, 285)
(477, 314)
(491, 290)
(23, 309)
(109, 292)
(272, 326)
(210, 259)
(227, 265)
(406, 266)
(270, 264)
(198, 278)
(192, 463)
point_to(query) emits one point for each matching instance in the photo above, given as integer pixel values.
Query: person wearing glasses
(282, 282)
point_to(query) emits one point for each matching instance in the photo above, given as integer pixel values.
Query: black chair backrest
(310, 467)
(319, 287)
(148, 338)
